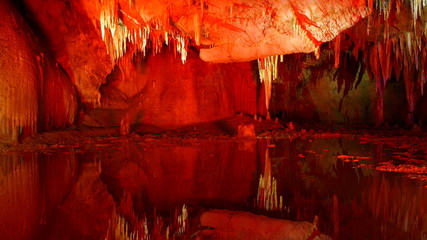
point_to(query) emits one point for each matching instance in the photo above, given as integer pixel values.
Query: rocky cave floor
(406, 139)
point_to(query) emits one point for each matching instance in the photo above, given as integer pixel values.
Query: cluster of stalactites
(267, 197)
(417, 7)
(116, 35)
(411, 56)
(408, 49)
(268, 74)
(384, 7)
(404, 56)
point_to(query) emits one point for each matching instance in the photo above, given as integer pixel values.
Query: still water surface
(71, 193)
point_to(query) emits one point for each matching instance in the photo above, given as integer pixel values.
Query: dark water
(71, 193)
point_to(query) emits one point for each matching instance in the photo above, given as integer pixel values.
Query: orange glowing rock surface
(228, 31)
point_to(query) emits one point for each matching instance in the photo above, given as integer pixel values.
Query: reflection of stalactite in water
(19, 196)
(378, 151)
(267, 198)
(31, 187)
(119, 228)
(126, 225)
(20, 177)
(398, 203)
(335, 216)
(182, 221)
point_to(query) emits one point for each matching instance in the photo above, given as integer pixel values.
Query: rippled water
(71, 193)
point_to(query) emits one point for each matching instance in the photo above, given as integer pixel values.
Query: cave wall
(322, 102)
(18, 78)
(196, 91)
(164, 92)
(160, 90)
(74, 42)
(35, 92)
(312, 90)
(321, 93)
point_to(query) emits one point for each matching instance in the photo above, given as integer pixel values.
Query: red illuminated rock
(18, 76)
(234, 30)
(35, 92)
(247, 30)
(163, 92)
(246, 131)
(74, 42)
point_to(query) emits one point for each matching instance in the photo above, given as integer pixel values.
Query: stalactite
(117, 36)
(379, 106)
(417, 7)
(268, 73)
(375, 73)
(181, 48)
(197, 28)
(371, 4)
(337, 50)
(404, 55)
(408, 77)
(423, 77)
